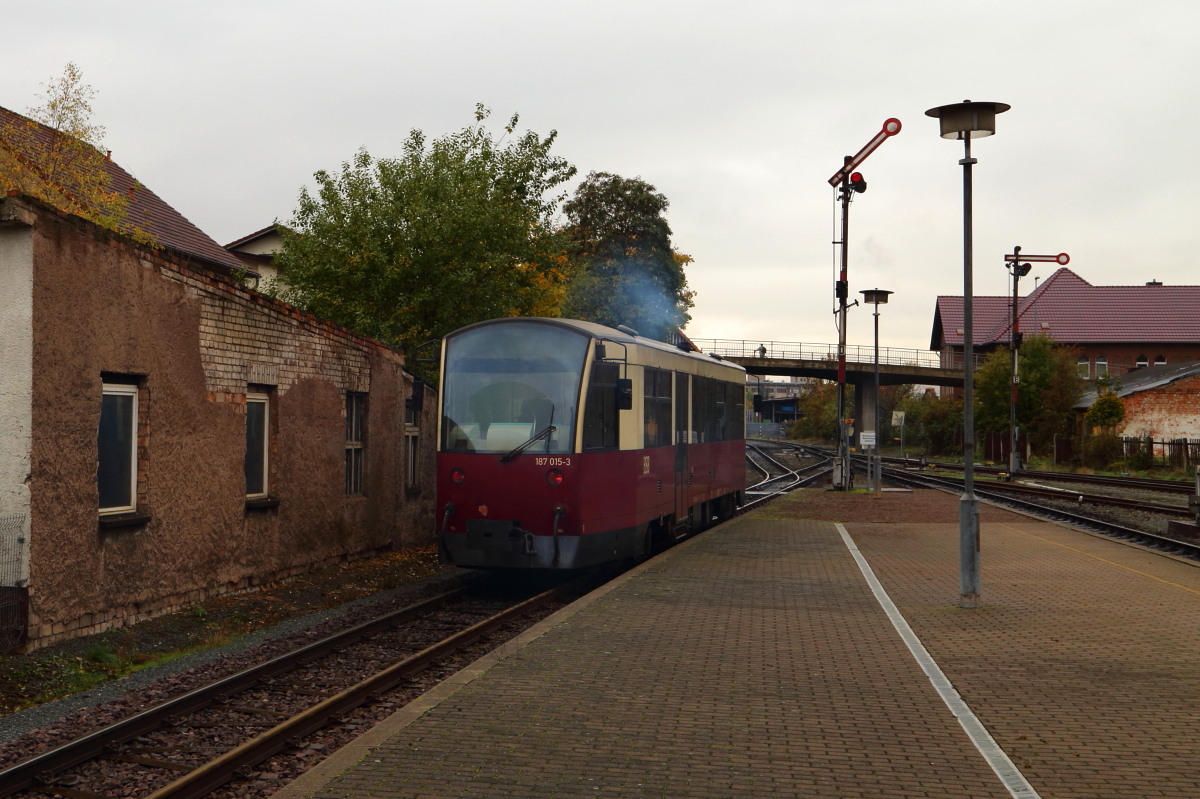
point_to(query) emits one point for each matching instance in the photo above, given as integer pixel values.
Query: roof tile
(150, 213)
(1074, 311)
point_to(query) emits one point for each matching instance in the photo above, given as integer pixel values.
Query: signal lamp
(457, 476)
(554, 477)
(1022, 269)
(858, 182)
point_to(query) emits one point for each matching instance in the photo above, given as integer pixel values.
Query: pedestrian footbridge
(795, 359)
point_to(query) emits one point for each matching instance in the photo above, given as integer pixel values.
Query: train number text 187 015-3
(552, 461)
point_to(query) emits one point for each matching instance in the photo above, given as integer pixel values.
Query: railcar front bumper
(498, 544)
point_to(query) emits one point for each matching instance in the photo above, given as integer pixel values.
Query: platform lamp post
(966, 121)
(1020, 270)
(848, 182)
(876, 297)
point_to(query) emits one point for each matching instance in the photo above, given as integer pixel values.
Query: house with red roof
(167, 433)
(1114, 329)
(256, 252)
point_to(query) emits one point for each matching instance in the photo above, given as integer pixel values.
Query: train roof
(594, 330)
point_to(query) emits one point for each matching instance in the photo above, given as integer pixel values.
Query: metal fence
(13, 595)
(799, 351)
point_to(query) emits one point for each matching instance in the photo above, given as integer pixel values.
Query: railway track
(1023, 498)
(194, 744)
(1000, 497)
(1140, 483)
(788, 478)
(1024, 488)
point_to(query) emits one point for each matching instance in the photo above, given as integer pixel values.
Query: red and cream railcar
(563, 444)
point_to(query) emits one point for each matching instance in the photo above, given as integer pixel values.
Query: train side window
(600, 415)
(656, 408)
(708, 402)
(735, 399)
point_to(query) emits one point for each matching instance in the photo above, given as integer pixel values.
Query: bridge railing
(799, 351)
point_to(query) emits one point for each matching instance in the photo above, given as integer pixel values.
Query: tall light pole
(966, 121)
(1019, 270)
(848, 182)
(876, 297)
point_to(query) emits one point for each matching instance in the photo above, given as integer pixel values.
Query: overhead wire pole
(847, 182)
(1019, 270)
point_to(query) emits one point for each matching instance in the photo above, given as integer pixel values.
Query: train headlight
(457, 476)
(554, 477)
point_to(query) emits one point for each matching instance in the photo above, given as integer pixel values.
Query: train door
(682, 436)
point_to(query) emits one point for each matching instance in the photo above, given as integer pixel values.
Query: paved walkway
(756, 661)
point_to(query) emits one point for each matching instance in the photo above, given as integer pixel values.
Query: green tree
(935, 422)
(817, 406)
(1106, 412)
(454, 231)
(629, 272)
(1050, 386)
(57, 155)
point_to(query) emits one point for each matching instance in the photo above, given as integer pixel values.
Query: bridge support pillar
(865, 400)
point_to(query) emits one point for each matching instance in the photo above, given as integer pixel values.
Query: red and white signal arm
(890, 128)
(1062, 259)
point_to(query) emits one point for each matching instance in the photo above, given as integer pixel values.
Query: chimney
(1153, 283)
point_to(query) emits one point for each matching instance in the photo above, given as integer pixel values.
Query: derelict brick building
(167, 434)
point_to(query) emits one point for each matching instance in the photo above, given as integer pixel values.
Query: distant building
(1161, 402)
(257, 253)
(1114, 328)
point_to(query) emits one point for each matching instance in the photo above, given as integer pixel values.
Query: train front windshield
(506, 383)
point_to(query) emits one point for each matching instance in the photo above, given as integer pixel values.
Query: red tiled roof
(1074, 311)
(150, 213)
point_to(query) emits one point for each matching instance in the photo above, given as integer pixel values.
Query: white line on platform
(1005, 769)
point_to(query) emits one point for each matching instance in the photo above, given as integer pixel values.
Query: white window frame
(1101, 365)
(265, 399)
(126, 390)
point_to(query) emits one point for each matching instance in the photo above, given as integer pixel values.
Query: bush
(1103, 450)
(1143, 459)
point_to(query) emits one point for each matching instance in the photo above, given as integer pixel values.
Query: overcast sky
(737, 112)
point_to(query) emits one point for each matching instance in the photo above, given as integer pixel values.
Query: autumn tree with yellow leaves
(454, 231)
(57, 155)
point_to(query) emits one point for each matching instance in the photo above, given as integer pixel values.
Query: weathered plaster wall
(1164, 413)
(16, 384)
(101, 305)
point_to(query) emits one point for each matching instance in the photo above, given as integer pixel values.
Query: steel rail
(766, 474)
(796, 473)
(1090, 523)
(40, 770)
(219, 771)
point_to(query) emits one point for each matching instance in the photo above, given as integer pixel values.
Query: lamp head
(967, 119)
(876, 296)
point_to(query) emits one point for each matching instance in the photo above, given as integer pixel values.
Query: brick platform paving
(754, 661)
(1084, 663)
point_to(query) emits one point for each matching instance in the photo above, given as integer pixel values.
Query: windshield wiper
(544, 434)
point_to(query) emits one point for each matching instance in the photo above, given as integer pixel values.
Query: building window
(258, 427)
(1101, 365)
(1084, 366)
(116, 475)
(413, 461)
(1142, 360)
(1159, 359)
(356, 418)
(414, 404)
